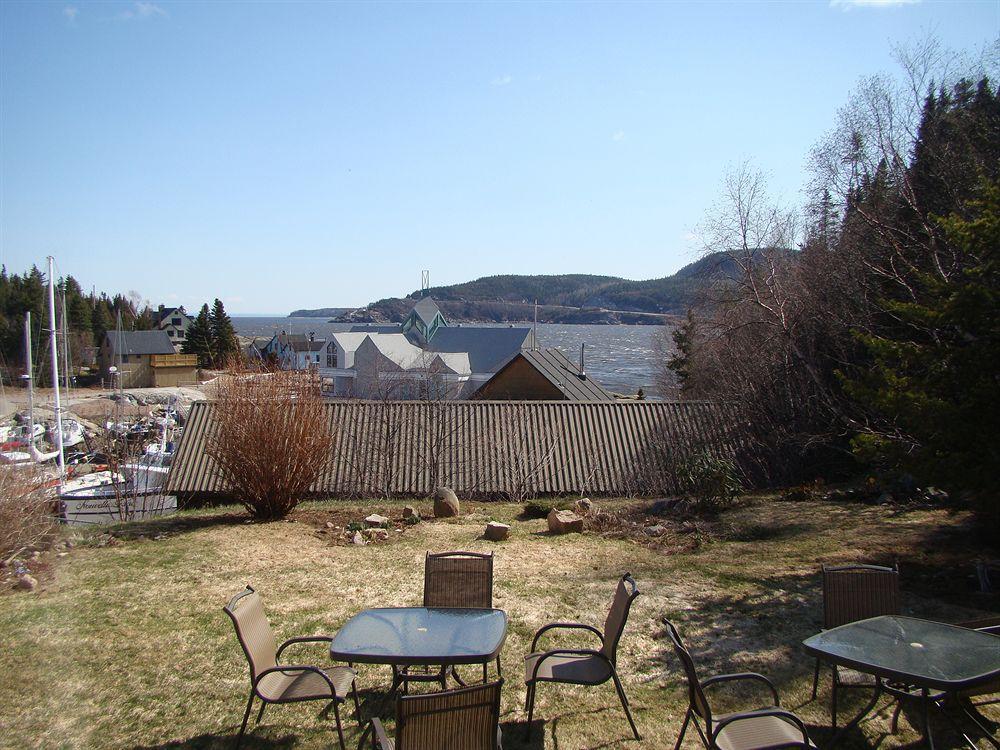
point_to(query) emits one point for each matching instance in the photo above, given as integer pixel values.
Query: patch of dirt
(338, 525)
(657, 527)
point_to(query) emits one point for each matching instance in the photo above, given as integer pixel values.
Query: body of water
(621, 358)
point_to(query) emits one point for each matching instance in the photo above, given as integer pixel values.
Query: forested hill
(565, 298)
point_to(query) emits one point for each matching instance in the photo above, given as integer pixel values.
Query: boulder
(375, 521)
(26, 582)
(497, 532)
(564, 522)
(358, 538)
(410, 512)
(583, 506)
(377, 534)
(445, 503)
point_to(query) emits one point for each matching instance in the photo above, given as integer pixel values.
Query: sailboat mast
(65, 337)
(55, 370)
(29, 374)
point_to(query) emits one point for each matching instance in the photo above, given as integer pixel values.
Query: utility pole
(55, 371)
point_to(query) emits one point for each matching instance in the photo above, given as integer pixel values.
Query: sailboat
(136, 493)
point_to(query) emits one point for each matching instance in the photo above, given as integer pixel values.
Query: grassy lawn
(126, 645)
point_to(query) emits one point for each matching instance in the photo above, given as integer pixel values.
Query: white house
(423, 357)
(294, 351)
(175, 321)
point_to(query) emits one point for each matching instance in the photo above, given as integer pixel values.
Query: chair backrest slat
(614, 623)
(857, 592)
(253, 630)
(466, 718)
(458, 579)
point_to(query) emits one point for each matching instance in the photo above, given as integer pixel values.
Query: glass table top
(921, 652)
(421, 635)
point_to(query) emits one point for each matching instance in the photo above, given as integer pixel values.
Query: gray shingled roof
(557, 368)
(489, 348)
(140, 342)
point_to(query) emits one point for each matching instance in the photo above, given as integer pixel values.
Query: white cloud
(848, 4)
(618, 135)
(504, 80)
(71, 13)
(142, 9)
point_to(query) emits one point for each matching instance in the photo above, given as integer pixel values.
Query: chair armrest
(377, 732)
(565, 626)
(743, 676)
(567, 652)
(285, 668)
(779, 713)
(302, 639)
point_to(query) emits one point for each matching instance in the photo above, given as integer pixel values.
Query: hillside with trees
(876, 346)
(88, 317)
(566, 298)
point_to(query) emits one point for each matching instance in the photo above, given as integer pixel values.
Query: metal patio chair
(584, 666)
(466, 718)
(453, 580)
(273, 682)
(769, 727)
(852, 593)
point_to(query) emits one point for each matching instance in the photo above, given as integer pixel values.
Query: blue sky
(320, 154)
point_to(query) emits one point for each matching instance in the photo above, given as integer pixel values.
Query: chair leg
(684, 728)
(816, 680)
(340, 729)
(529, 701)
(260, 715)
(624, 700)
(246, 718)
(499, 670)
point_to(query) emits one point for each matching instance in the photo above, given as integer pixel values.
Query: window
(169, 333)
(331, 356)
(317, 360)
(175, 321)
(124, 358)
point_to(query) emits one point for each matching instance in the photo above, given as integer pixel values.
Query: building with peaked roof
(137, 355)
(175, 321)
(423, 357)
(294, 351)
(542, 375)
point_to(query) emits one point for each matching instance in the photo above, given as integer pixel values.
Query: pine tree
(224, 344)
(100, 320)
(199, 338)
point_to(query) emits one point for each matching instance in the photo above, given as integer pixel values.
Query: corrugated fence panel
(489, 448)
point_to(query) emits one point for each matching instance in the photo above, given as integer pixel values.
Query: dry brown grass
(127, 646)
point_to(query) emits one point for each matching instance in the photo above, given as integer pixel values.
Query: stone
(564, 522)
(497, 532)
(410, 512)
(358, 538)
(656, 530)
(445, 503)
(329, 524)
(26, 582)
(583, 506)
(375, 521)
(377, 534)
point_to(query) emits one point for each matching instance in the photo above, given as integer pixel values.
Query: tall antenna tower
(425, 282)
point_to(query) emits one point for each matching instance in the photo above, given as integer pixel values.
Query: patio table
(421, 635)
(915, 657)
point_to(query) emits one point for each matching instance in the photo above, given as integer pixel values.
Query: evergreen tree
(680, 361)
(199, 338)
(101, 320)
(224, 343)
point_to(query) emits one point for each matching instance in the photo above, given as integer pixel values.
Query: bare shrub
(272, 438)
(26, 516)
